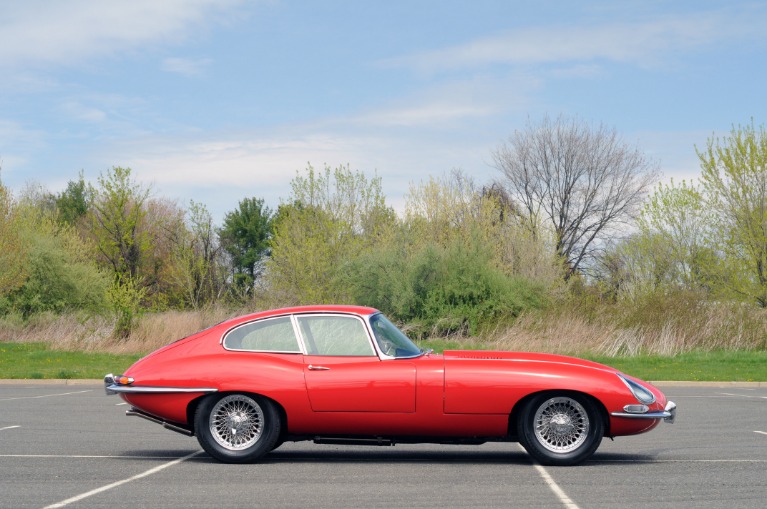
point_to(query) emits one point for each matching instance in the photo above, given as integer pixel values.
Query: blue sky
(218, 100)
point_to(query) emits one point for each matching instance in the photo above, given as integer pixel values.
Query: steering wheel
(388, 347)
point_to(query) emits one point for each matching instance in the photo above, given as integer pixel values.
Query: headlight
(640, 392)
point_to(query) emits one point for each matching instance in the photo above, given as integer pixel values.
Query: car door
(343, 372)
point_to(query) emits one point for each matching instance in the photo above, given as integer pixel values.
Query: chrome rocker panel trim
(668, 415)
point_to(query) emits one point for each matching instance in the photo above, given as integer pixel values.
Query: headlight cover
(640, 392)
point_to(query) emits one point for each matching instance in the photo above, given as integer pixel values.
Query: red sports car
(346, 374)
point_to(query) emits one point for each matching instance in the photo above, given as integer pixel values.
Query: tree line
(574, 211)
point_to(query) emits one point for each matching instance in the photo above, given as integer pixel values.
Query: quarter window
(271, 335)
(335, 335)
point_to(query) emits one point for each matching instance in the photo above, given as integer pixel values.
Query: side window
(271, 335)
(335, 335)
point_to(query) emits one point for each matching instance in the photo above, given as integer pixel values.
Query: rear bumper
(113, 386)
(668, 415)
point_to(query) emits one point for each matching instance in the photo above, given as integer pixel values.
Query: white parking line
(45, 395)
(761, 432)
(121, 404)
(9, 427)
(681, 461)
(149, 472)
(553, 486)
(561, 495)
(741, 395)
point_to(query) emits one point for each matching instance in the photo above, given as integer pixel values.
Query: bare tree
(583, 181)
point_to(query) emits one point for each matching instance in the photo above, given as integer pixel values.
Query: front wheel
(562, 429)
(237, 428)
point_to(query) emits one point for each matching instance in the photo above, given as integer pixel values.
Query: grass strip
(714, 366)
(38, 361)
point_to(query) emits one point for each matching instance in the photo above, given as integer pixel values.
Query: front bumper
(668, 415)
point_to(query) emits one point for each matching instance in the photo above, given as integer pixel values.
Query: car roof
(324, 308)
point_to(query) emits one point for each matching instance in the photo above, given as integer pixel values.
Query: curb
(50, 381)
(721, 385)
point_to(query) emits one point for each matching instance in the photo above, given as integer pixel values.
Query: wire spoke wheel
(237, 427)
(561, 425)
(560, 428)
(236, 422)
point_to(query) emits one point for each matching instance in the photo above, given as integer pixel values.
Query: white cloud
(221, 169)
(186, 66)
(16, 143)
(241, 160)
(453, 104)
(424, 114)
(675, 151)
(40, 32)
(78, 111)
(641, 43)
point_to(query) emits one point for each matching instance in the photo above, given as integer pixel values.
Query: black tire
(560, 429)
(278, 443)
(237, 428)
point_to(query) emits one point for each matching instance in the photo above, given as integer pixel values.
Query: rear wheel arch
(238, 427)
(191, 409)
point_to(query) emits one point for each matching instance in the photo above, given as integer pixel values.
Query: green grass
(716, 366)
(36, 360)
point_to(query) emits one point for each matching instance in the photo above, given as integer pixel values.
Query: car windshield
(391, 340)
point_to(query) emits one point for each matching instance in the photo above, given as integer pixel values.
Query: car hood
(480, 355)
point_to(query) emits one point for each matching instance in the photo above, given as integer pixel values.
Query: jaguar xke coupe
(347, 375)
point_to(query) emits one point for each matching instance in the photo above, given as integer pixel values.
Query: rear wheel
(237, 428)
(563, 429)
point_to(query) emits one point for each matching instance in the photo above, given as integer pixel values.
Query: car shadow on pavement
(389, 455)
(612, 458)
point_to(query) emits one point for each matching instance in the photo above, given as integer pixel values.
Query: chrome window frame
(299, 343)
(381, 354)
(375, 352)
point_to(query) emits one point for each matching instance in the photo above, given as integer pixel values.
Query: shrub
(440, 290)
(59, 276)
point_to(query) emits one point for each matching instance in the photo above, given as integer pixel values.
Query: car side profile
(347, 375)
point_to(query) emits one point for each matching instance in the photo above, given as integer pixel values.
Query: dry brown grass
(634, 330)
(94, 333)
(655, 327)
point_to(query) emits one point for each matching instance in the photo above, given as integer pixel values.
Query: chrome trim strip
(668, 415)
(648, 415)
(114, 389)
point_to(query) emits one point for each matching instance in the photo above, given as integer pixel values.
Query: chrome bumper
(112, 386)
(109, 383)
(668, 415)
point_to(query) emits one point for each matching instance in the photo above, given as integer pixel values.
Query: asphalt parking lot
(72, 446)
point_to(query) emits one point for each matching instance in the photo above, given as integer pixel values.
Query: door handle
(318, 368)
